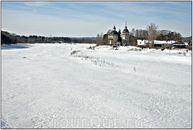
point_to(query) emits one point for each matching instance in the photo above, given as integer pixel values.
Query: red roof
(179, 42)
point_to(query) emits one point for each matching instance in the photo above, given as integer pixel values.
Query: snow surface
(70, 86)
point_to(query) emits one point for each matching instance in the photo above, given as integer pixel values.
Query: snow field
(44, 86)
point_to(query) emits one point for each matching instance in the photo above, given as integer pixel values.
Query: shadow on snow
(14, 46)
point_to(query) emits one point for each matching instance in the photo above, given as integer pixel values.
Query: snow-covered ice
(71, 86)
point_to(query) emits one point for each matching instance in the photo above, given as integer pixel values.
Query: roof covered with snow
(163, 42)
(141, 42)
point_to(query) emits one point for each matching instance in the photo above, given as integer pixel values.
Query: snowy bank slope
(70, 86)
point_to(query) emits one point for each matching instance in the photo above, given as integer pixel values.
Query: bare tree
(145, 34)
(142, 34)
(152, 32)
(132, 40)
(101, 38)
(98, 39)
(177, 36)
(105, 39)
(109, 31)
(136, 33)
(165, 32)
(132, 32)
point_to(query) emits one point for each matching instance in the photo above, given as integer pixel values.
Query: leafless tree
(152, 32)
(132, 32)
(164, 32)
(98, 39)
(109, 31)
(105, 39)
(137, 33)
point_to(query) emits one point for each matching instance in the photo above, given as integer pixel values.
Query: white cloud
(36, 4)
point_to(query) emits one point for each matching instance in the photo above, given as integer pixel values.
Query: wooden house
(179, 44)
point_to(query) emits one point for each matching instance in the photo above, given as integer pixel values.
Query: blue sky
(82, 19)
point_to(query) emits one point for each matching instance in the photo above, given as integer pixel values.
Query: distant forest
(11, 38)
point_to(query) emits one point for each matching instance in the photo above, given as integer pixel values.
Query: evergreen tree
(119, 36)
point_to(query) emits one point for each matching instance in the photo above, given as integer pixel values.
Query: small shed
(148, 43)
(190, 43)
(141, 43)
(179, 44)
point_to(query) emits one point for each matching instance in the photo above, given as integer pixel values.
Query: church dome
(114, 31)
(125, 30)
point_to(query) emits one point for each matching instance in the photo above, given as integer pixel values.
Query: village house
(144, 43)
(179, 44)
(141, 43)
(156, 44)
(163, 44)
(149, 43)
(190, 43)
(186, 44)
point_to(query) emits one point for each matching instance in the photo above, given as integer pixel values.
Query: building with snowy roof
(113, 37)
(179, 44)
(125, 36)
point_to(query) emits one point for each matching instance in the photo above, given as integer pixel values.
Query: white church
(113, 37)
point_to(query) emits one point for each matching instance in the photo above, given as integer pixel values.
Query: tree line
(150, 33)
(12, 38)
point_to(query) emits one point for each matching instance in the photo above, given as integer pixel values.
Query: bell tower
(125, 34)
